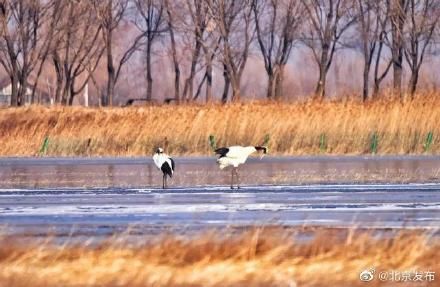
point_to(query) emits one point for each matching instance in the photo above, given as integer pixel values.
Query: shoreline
(275, 157)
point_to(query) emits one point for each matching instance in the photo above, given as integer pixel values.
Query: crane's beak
(263, 153)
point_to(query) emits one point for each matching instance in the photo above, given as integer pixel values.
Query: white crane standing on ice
(234, 156)
(165, 163)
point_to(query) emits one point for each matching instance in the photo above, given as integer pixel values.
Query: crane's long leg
(237, 178)
(232, 178)
(163, 181)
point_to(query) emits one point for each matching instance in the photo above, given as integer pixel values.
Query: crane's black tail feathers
(222, 151)
(167, 169)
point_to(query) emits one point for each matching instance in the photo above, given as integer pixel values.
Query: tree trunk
(65, 98)
(14, 91)
(415, 68)
(176, 82)
(235, 83)
(149, 76)
(397, 73)
(188, 91)
(60, 79)
(397, 23)
(199, 88)
(413, 81)
(71, 92)
(366, 77)
(22, 91)
(279, 81)
(64, 95)
(174, 55)
(37, 78)
(59, 89)
(23, 96)
(227, 84)
(208, 82)
(110, 87)
(235, 94)
(378, 79)
(320, 86)
(110, 68)
(270, 85)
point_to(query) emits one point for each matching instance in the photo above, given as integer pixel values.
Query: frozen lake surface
(105, 196)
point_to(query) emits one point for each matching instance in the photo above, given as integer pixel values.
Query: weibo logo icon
(367, 275)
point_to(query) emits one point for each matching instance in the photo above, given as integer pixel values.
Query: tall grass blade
(428, 141)
(44, 146)
(212, 142)
(322, 143)
(374, 143)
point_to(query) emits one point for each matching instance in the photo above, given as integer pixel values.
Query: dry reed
(256, 257)
(294, 129)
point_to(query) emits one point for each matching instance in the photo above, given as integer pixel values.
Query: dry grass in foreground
(258, 257)
(294, 129)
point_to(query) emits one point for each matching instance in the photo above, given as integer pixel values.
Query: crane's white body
(161, 158)
(235, 156)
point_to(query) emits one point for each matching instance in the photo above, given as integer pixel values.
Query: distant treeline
(72, 40)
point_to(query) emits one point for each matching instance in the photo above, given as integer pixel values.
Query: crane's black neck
(261, 148)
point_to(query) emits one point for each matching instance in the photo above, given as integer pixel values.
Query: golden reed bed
(344, 127)
(256, 257)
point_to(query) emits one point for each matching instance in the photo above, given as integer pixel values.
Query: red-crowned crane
(165, 163)
(234, 156)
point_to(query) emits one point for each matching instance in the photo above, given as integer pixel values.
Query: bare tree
(171, 21)
(368, 31)
(55, 17)
(398, 16)
(423, 18)
(77, 50)
(327, 20)
(382, 11)
(233, 20)
(195, 26)
(24, 41)
(209, 41)
(152, 23)
(277, 23)
(210, 44)
(111, 14)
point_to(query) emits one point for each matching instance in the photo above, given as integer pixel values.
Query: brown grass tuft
(257, 257)
(294, 129)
